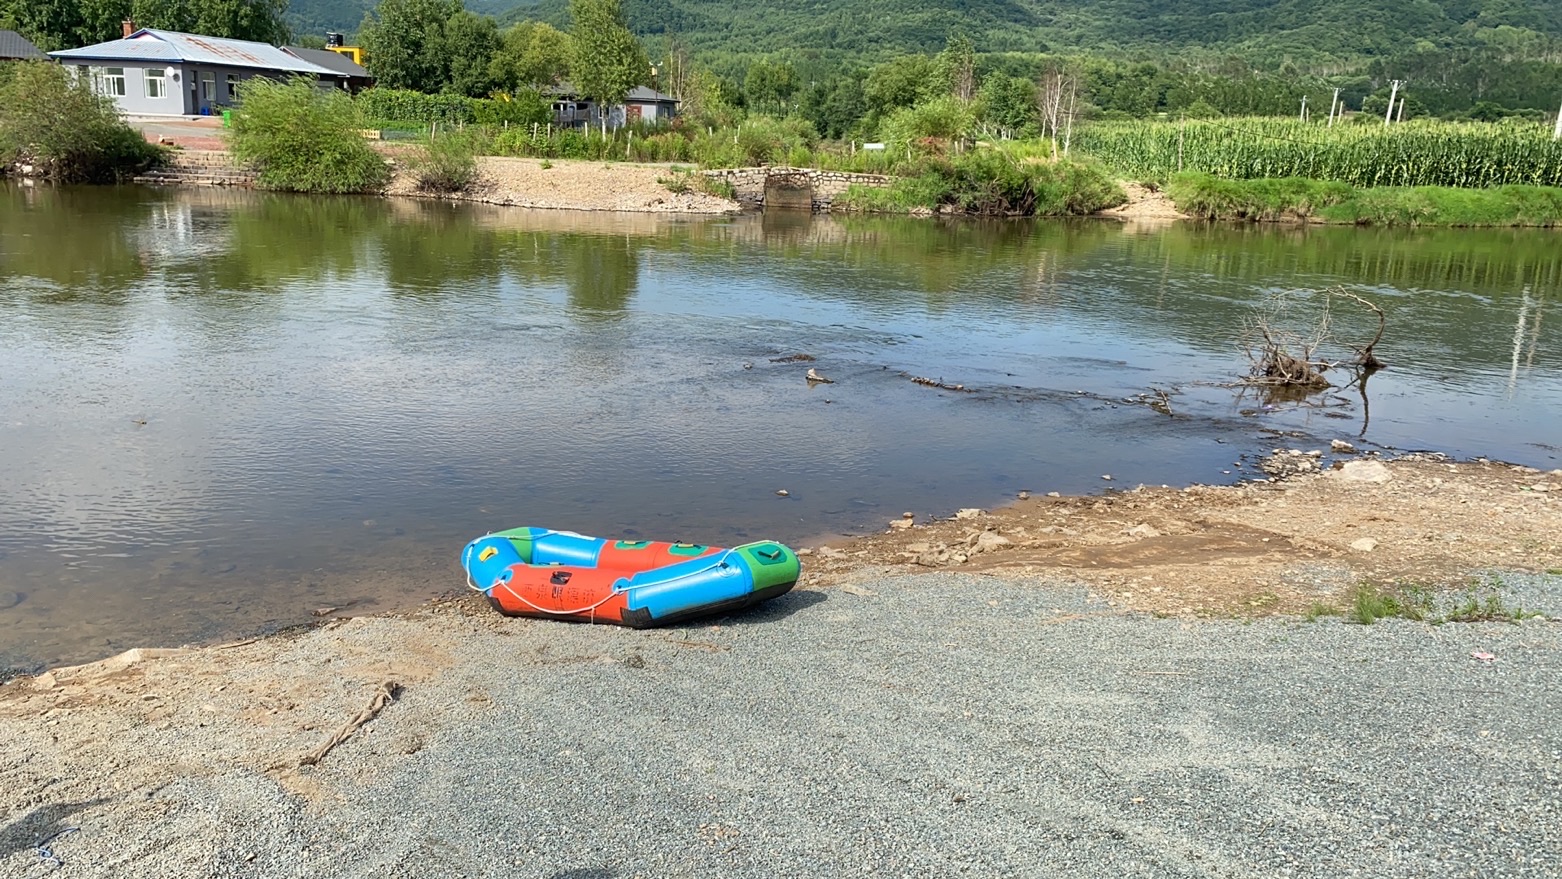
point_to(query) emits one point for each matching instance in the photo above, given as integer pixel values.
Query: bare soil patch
(575, 185)
(1144, 203)
(1282, 546)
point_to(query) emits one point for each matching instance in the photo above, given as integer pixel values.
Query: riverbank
(574, 185)
(1021, 693)
(1299, 199)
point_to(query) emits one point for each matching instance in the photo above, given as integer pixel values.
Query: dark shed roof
(13, 45)
(334, 61)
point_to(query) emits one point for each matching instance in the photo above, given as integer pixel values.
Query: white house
(166, 73)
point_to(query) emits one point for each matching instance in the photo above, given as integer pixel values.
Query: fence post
(1557, 134)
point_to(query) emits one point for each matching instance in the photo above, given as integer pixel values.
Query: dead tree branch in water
(1286, 350)
(1364, 356)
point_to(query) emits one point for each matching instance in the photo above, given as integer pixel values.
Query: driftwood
(385, 695)
(1283, 355)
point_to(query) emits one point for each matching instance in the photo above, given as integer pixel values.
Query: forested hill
(1272, 29)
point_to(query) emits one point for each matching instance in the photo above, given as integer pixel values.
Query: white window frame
(155, 82)
(232, 82)
(208, 90)
(106, 82)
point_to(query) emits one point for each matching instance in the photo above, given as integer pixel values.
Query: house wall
(184, 94)
(134, 100)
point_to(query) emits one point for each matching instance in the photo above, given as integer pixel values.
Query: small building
(167, 73)
(358, 78)
(15, 47)
(642, 104)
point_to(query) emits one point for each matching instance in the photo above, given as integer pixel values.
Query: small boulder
(1362, 471)
(1363, 544)
(1341, 446)
(968, 513)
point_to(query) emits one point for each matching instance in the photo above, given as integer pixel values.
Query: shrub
(403, 105)
(50, 118)
(941, 119)
(447, 163)
(992, 183)
(304, 139)
(525, 108)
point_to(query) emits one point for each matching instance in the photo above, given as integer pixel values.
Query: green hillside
(1301, 29)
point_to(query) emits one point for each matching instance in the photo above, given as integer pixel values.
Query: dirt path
(1144, 205)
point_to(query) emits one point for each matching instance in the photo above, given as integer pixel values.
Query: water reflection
(225, 408)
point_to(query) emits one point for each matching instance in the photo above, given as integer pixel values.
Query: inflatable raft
(537, 572)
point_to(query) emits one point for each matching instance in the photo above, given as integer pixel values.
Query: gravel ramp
(932, 725)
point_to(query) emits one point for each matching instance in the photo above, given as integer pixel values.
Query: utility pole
(1335, 102)
(1393, 93)
(1401, 116)
(1304, 108)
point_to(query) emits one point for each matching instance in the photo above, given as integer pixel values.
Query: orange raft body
(537, 572)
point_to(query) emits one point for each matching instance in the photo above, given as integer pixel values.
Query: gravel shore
(939, 724)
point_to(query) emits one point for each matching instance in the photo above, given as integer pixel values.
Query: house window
(208, 86)
(156, 83)
(109, 80)
(233, 85)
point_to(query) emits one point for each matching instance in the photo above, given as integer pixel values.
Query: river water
(220, 411)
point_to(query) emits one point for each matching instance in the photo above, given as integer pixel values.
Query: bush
(50, 118)
(403, 105)
(304, 139)
(992, 183)
(523, 108)
(447, 164)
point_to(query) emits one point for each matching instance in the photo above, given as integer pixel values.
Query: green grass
(1318, 610)
(1370, 602)
(1296, 198)
(1555, 572)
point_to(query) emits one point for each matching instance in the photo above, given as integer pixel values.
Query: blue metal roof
(176, 48)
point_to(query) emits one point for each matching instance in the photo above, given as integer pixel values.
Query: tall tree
(607, 60)
(470, 43)
(405, 43)
(258, 20)
(531, 53)
(957, 64)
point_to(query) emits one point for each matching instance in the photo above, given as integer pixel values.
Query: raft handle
(559, 578)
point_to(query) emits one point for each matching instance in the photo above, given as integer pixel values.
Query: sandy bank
(576, 185)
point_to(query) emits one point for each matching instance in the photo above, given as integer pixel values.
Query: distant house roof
(176, 48)
(335, 61)
(639, 94)
(15, 46)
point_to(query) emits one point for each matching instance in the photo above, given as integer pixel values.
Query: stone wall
(199, 168)
(756, 186)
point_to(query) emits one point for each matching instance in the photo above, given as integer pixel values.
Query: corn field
(1418, 153)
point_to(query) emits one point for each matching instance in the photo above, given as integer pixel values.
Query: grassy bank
(1298, 198)
(990, 183)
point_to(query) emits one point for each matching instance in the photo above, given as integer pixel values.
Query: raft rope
(719, 562)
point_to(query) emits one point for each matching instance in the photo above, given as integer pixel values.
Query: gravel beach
(939, 724)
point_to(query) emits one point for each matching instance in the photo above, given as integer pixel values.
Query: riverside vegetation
(53, 126)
